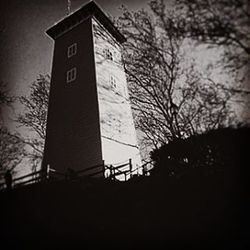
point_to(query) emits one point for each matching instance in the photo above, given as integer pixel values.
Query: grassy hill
(147, 212)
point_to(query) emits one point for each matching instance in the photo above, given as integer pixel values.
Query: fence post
(130, 167)
(111, 172)
(103, 168)
(47, 171)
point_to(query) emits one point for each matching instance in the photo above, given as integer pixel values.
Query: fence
(107, 171)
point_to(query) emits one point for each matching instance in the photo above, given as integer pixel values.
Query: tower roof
(90, 9)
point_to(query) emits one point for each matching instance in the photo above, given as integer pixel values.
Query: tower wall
(118, 134)
(89, 116)
(73, 132)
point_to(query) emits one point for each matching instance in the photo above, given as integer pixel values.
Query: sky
(26, 51)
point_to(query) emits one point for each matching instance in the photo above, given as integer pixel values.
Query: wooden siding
(118, 134)
(73, 132)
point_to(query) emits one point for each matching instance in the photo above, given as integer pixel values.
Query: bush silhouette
(217, 152)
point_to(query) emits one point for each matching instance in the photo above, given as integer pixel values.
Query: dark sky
(25, 49)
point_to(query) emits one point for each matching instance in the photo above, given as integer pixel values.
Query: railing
(26, 179)
(90, 169)
(124, 170)
(130, 172)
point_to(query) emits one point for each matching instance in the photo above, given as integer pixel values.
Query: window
(125, 93)
(72, 49)
(71, 75)
(108, 54)
(113, 82)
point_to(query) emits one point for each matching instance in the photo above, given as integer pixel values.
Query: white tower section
(118, 135)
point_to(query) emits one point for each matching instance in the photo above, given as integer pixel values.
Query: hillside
(143, 212)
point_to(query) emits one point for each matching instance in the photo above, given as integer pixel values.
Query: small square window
(108, 54)
(71, 75)
(125, 93)
(72, 49)
(113, 82)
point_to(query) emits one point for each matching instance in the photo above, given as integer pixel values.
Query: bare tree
(170, 100)
(12, 149)
(224, 23)
(11, 146)
(34, 116)
(5, 98)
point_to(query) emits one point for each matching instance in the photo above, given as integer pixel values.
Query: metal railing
(126, 170)
(25, 179)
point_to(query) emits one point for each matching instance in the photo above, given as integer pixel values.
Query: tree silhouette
(219, 23)
(5, 98)
(34, 116)
(11, 146)
(220, 151)
(170, 100)
(12, 149)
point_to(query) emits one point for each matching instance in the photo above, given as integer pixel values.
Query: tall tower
(89, 115)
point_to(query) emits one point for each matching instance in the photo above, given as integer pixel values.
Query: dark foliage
(206, 207)
(222, 151)
(144, 213)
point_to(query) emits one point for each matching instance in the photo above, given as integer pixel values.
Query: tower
(89, 116)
